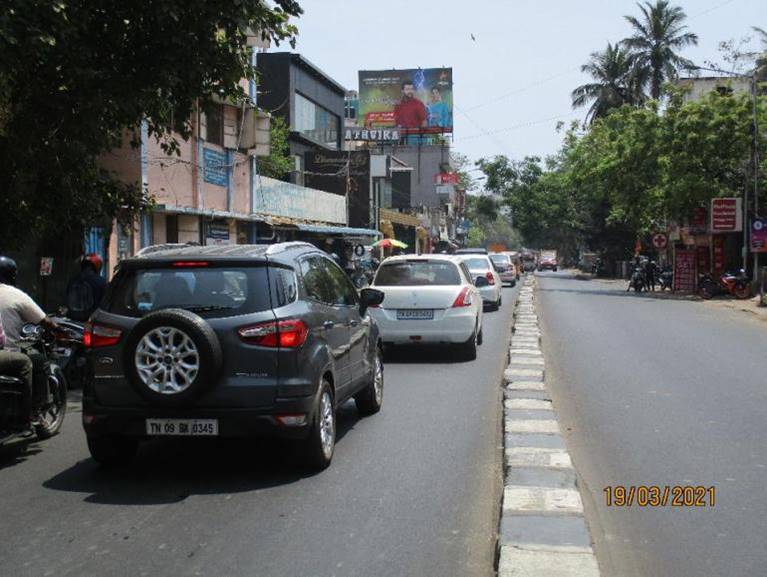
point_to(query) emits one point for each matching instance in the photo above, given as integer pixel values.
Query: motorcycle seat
(11, 385)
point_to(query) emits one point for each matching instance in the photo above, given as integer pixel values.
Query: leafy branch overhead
(76, 75)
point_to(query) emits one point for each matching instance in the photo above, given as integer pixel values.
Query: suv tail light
(289, 334)
(463, 299)
(96, 336)
(490, 278)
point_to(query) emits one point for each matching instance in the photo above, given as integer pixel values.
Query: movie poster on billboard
(417, 101)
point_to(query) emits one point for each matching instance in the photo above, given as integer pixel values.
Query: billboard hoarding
(759, 235)
(416, 100)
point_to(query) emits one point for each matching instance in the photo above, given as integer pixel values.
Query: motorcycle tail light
(96, 336)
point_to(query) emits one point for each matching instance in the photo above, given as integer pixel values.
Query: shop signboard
(726, 215)
(215, 166)
(684, 270)
(759, 235)
(372, 134)
(284, 199)
(416, 100)
(446, 178)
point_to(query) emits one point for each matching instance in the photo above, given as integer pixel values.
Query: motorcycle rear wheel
(52, 415)
(706, 291)
(743, 292)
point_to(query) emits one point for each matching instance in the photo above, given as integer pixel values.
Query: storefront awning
(400, 218)
(211, 213)
(341, 230)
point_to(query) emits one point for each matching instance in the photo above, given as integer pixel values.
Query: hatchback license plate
(182, 427)
(415, 314)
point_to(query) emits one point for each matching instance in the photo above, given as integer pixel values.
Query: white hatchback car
(428, 299)
(480, 265)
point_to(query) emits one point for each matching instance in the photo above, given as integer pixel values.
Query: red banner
(704, 259)
(446, 178)
(717, 250)
(684, 270)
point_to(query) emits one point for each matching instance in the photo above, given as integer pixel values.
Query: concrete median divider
(542, 529)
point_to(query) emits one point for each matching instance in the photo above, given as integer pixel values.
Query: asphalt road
(414, 490)
(661, 392)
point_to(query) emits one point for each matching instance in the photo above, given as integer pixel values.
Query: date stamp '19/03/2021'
(660, 496)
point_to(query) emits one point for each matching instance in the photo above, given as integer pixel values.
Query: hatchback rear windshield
(477, 264)
(500, 259)
(414, 273)
(210, 292)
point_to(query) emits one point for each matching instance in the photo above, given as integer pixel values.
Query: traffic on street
(313, 288)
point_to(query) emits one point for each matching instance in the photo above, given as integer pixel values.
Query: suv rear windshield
(418, 272)
(477, 264)
(208, 291)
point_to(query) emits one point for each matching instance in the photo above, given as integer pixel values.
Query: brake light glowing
(190, 264)
(97, 336)
(288, 334)
(463, 299)
(490, 278)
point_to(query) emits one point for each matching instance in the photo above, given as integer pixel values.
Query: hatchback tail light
(288, 334)
(96, 336)
(463, 299)
(490, 278)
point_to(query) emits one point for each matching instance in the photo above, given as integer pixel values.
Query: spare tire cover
(172, 357)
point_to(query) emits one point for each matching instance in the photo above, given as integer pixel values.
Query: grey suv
(229, 341)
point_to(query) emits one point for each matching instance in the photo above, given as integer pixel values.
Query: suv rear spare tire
(171, 357)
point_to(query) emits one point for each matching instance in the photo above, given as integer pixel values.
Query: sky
(512, 83)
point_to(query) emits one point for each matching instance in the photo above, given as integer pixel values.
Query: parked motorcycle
(49, 394)
(666, 279)
(738, 285)
(637, 281)
(70, 351)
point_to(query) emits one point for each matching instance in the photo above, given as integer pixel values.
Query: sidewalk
(750, 306)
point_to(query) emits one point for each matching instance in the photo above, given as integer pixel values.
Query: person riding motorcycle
(86, 289)
(17, 309)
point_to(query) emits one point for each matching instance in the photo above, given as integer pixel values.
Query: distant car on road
(429, 299)
(481, 266)
(505, 267)
(548, 260)
(229, 341)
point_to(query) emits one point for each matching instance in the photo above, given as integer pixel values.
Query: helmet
(92, 259)
(8, 270)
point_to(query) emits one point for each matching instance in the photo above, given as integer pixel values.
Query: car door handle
(328, 324)
(353, 323)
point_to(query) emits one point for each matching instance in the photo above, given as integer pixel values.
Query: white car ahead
(429, 299)
(480, 265)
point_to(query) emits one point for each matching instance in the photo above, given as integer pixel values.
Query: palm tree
(658, 36)
(616, 82)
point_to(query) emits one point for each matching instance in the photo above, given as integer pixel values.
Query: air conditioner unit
(255, 137)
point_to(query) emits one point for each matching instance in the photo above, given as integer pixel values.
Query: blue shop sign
(215, 166)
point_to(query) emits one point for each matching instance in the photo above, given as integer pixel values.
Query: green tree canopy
(76, 74)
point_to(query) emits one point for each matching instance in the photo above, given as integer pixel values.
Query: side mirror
(370, 298)
(481, 281)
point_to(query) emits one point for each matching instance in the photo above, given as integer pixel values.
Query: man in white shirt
(16, 309)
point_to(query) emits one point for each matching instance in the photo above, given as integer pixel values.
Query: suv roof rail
(283, 246)
(147, 250)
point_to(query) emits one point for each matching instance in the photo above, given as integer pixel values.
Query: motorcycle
(70, 352)
(637, 281)
(738, 285)
(49, 394)
(666, 279)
